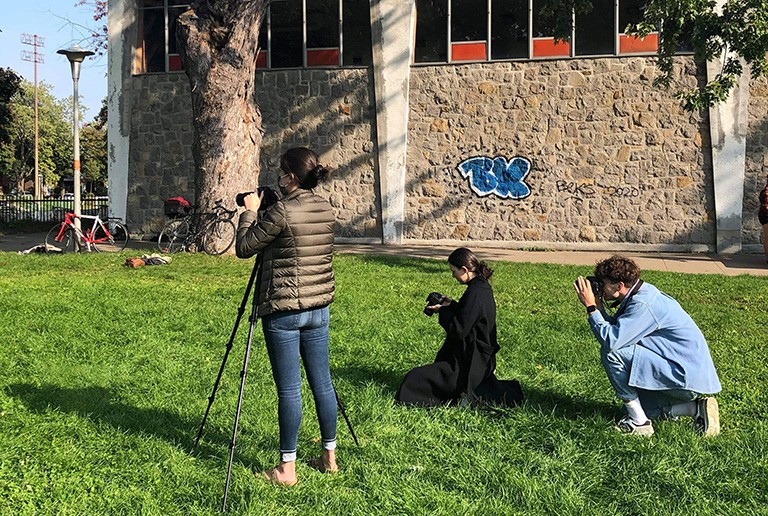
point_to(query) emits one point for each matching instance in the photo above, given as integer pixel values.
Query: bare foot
(283, 474)
(326, 463)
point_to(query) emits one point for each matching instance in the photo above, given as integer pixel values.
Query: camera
(434, 298)
(596, 284)
(270, 197)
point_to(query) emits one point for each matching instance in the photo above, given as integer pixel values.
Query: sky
(61, 25)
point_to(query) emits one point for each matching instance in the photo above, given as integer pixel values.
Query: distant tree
(93, 155)
(9, 85)
(17, 155)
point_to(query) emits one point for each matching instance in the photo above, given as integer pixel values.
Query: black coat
(465, 364)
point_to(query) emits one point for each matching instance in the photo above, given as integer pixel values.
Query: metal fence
(25, 208)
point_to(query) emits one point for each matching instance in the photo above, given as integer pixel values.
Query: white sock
(683, 409)
(635, 412)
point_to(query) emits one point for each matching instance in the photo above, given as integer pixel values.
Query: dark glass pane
(630, 13)
(595, 30)
(322, 23)
(431, 31)
(469, 20)
(287, 34)
(509, 29)
(152, 40)
(543, 25)
(150, 3)
(173, 18)
(357, 32)
(263, 35)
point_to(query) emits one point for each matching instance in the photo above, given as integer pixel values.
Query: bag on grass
(134, 262)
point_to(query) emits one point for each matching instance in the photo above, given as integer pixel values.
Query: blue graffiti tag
(496, 176)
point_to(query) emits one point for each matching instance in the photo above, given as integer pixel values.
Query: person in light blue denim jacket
(656, 358)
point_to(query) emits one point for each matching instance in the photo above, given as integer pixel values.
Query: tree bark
(218, 43)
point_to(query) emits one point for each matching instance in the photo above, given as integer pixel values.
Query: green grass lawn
(105, 373)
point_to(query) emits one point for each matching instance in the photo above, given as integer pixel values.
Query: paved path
(729, 265)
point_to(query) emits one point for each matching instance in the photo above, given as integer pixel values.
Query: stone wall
(757, 160)
(329, 111)
(160, 154)
(614, 160)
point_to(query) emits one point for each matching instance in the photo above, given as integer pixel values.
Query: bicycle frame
(87, 237)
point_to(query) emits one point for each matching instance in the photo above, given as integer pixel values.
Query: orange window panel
(322, 57)
(261, 59)
(473, 51)
(174, 63)
(547, 47)
(633, 45)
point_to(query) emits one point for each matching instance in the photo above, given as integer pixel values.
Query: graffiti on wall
(590, 190)
(505, 179)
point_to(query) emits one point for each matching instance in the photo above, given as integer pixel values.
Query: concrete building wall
(613, 159)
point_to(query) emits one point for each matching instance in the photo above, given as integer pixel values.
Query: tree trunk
(218, 43)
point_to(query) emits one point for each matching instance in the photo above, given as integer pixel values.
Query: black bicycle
(213, 232)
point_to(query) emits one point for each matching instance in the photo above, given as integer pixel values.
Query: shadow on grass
(100, 405)
(566, 407)
(360, 375)
(399, 258)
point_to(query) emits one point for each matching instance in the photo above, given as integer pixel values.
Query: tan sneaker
(627, 426)
(707, 419)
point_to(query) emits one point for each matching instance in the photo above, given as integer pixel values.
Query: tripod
(255, 278)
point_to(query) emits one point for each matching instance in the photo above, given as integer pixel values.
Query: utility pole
(35, 57)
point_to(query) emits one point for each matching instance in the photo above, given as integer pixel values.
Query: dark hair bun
(318, 174)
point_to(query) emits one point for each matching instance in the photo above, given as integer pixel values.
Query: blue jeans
(618, 365)
(289, 334)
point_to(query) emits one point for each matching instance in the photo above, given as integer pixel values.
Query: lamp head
(75, 53)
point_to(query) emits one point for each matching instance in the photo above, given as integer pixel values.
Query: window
(469, 30)
(294, 34)
(478, 30)
(509, 29)
(156, 50)
(431, 31)
(287, 34)
(595, 30)
(356, 28)
(631, 13)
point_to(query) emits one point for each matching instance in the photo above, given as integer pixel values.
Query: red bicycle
(104, 235)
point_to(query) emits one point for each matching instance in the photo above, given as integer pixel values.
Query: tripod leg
(239, 404)
(342, 409)
(240, 312)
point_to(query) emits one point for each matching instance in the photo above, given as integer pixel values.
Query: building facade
(449, 121)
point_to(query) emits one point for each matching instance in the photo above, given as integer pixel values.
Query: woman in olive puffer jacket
(294, 238)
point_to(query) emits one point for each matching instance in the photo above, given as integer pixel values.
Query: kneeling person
(655, 356)
(463, 370)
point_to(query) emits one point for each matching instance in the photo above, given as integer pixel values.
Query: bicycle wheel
(115, 241)
(173, 236)
(60, 240)
(219, 237)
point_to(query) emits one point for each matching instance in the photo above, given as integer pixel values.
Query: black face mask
(280, 184)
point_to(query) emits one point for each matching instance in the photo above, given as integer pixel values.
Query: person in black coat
(463, 371)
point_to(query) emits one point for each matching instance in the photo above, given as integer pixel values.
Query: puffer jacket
(295, 239)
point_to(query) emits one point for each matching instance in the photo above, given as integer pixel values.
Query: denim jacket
(670, 352)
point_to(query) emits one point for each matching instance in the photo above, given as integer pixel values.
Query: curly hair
(618, 268)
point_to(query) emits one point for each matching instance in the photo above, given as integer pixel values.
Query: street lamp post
(76, 55)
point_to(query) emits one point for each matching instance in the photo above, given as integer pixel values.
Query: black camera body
(270, 197)
(434, 298)
(596, 284)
